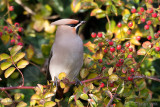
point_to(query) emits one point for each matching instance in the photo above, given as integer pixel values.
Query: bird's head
(69, 23)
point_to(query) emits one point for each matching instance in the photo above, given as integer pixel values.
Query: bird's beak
(80, 23)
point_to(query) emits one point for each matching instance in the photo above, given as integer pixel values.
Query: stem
(111, 100)
(108, 21)
(18, 87)
(19, 71)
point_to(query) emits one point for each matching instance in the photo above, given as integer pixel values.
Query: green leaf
(18, 96)
(136, 1)
(141, 84)
(35, 97)
(4, 56)
(49, 104)
(6, 101)
(18, 56)
(151, 31)
(130, 104)
(114, 9)
(5, 65)
(84, 96)
(48, 95)
(30, 51)
(15, 49)
(125, 18)
(120, 88)
(79, 103)
(22, 64)
(71, 98)
(95, 98)
(45, 49)
(83, 73)
(5, 39)
(21, 104)
(9, 71)
(112, 27)
(92, 103)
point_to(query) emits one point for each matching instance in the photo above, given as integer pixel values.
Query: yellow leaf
(18, 56)
(75, 7)
(84, 73)
(21, 104)
(98, 54)
(5, 65)
(49, 104)
(9, 71)
(125, 11)
(62, 75)
(5, 39)
(84, 96)
(18, 96)
(113, 77)
(110, 71)
(134, 41)
(4, 56)
(6, 101)
(22, 64)
(94, 12)
(30, 52)
(48, 28)
(15, 49)
(62, 85)
(35, 97)
(48, 95)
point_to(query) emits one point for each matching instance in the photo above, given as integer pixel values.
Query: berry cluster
(12, 31)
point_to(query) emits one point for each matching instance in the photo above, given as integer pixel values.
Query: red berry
(142, 9)
(127, 44)
(154, 15)
(20, 29)
(139, 13)
(158, 32)
(130, 78)
(12, 41)
(118, 64)
(102, 85)
(122, 50)
(138, 38)
(129, 56)
(11, 8)
(100, 61)
(103, 68)
(121, 61)
(146, 27)
(20, 43)
(118, 47)
(16, 24)
(156, 35)
(143, 20)
(119, 24)
(132, 70)
(129, 32)
(150, 10)
(110, 43)
(100, 44)
(1, 34)
(157, 49)
(133, 10)
(159, 18)
(149, 37)
(10, 31)
(149, 22)
(111, 84)
(112, 49)
(5, 28)
(105, 50)
(130, 24)
(18, 37)
(130, 49)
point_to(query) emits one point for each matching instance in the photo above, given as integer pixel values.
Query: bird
(67, 50)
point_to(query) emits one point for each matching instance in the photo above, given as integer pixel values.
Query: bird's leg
(78, 82)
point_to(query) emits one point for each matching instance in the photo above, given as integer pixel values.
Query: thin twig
(108, 21)
(19, 71)
(111, 100)
(7, 94)
(18, 87)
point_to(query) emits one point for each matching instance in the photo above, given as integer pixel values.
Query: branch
(111, 100)
(17, 87)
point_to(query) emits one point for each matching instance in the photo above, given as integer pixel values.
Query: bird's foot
(78, 82)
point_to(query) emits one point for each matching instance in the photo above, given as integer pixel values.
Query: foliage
(120, 64)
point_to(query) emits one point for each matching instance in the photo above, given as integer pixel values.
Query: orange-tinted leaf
(90, 46)
(6, 101)
(22, 64)
(75, 7)
(146, 44)
(141, 51)
(95, 12)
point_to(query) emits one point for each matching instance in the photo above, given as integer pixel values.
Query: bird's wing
(47, 72)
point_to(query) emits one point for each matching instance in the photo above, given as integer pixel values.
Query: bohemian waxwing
(67, 50)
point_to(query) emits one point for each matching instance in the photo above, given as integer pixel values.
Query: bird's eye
(72, 25)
